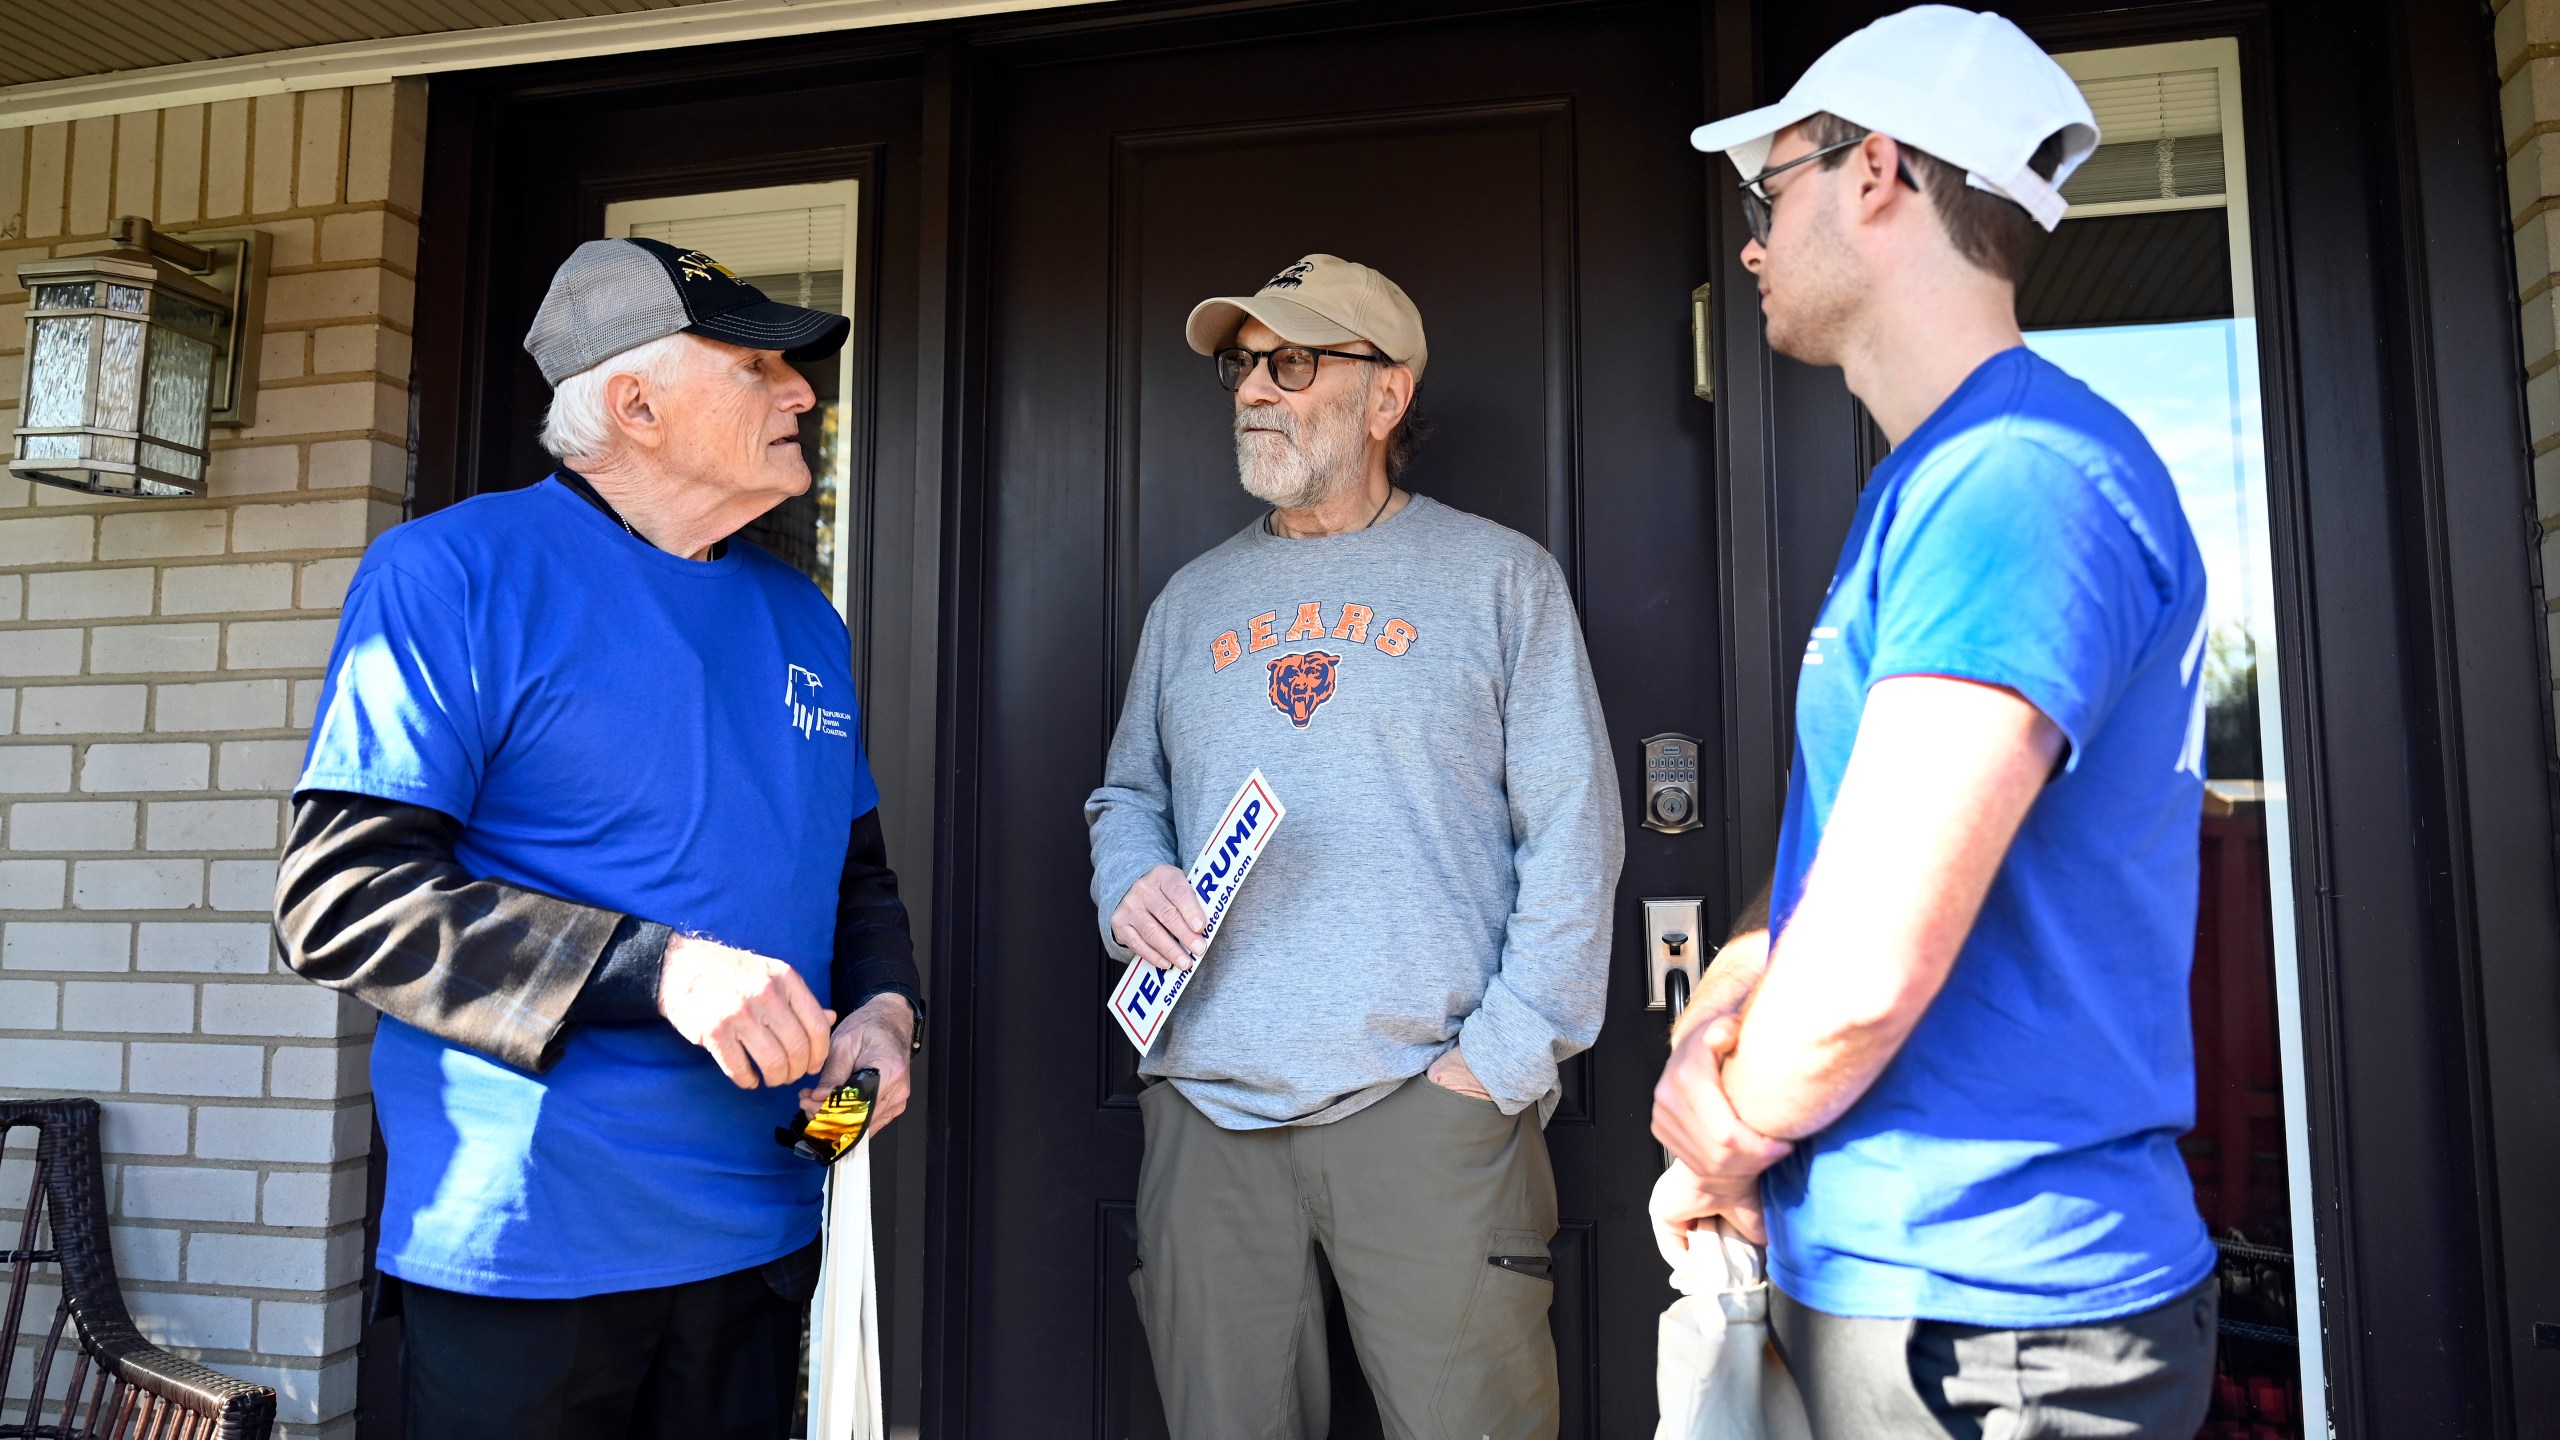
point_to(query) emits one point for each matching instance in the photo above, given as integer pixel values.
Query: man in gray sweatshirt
(1365, 1063)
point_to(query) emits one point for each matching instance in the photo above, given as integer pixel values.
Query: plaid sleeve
(371, 902)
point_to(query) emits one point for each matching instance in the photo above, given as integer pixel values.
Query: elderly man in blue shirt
(586, 816)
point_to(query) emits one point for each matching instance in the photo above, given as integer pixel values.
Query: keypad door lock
(1671, 784)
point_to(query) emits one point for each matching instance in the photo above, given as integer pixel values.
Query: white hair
(577, 426)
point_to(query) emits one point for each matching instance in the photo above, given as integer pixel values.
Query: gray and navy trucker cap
(611, 295)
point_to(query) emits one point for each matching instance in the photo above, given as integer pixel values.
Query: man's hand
(1451, 1072)
(1730, 979)
(1693, 1118)
(1162, 920)
(879, 1036)
(754, 1014)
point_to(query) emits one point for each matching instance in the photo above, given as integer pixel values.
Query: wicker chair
(119, 1386)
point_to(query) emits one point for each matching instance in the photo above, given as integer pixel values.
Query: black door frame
(2417, 698)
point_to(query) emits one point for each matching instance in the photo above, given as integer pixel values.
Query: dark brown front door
(1526, 178)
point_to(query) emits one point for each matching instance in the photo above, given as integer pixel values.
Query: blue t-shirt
(669, 738)
(2017, 1164)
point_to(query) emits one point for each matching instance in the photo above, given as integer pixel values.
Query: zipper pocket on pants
(1539, 1267)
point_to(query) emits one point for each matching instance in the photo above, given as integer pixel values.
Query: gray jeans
(2144, 1376)
(1435, 1211)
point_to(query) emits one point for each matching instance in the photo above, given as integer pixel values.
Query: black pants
(716, 1359)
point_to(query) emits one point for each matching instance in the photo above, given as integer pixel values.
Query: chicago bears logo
(1300, 683)
(1291, 278)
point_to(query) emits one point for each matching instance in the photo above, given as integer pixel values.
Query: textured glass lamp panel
(186, 314)
(119, 404)
(73, 296)
(173, 408)
(58, 371)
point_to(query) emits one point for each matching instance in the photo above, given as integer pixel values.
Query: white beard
(1310, 460)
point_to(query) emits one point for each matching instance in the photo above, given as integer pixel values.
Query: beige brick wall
(159, 663)
(2528, 48)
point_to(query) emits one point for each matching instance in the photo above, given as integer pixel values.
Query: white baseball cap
(1969, 88)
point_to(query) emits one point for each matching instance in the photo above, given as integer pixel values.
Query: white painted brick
(81, 709)
(305, 1396)
(291, 1009)
(315, 1199)
(210, 947)
(46, 540)
(265, 1262)
(242, 885)
(173, 765)
(119, 1007)
(307, 525)
(281, 1135)
(305, 1327)
(162, 534)
(226, 589)
(232, 1071)
(28, 1005)
(220, 705)
(142, 649)
(71, 825)
(58, 1067)
(144, 1252)
(8, 711)
(35, 769)
(320, 1072)
(88, 594)
(359, 462)
(306, 703)
(261, 764)
(280, 645)
(66, 945)
(13, 588)
(197, 1322)
(154, 884)
(190, 1192)
(259, 469)
(211, 825)
(40, 652)
(137, 1128)
(324, 583)
(31, 884)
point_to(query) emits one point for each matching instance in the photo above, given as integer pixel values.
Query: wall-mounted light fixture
(133, 354)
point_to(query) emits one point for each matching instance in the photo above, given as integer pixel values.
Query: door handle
(1671, 950)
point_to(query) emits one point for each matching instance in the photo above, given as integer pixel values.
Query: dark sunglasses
(829, 1135)
(1758, 203)
(1293, 367)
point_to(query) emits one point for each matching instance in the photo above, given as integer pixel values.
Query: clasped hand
(1721, 1156)
(761, 1025)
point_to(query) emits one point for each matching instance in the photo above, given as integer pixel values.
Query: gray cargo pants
(2144, 1376)
(1435, 1211)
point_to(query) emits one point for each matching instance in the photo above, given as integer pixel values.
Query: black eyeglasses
(1293, 367)
(1758, 203)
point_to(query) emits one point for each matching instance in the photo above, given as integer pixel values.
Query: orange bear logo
(1300, 683)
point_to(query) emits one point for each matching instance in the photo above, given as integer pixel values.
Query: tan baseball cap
(1321, 300)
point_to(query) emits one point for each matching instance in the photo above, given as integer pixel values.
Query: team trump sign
(1146, 995)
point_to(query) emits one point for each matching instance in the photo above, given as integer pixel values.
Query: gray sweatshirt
(1418, 697)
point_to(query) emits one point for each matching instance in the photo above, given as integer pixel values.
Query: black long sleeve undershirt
(371, 901)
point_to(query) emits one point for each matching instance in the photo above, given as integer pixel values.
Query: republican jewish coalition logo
(1302, 683)
(800, 689)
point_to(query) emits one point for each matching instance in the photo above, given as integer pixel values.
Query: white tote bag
(844, 1318)
(1716, 1373)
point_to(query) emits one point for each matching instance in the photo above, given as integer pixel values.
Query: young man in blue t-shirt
(1951, 1074)
(587, 817)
